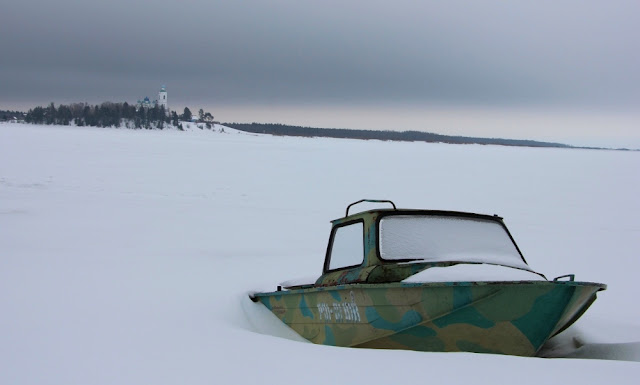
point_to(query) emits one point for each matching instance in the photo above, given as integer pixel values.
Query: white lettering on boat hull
(340, 311)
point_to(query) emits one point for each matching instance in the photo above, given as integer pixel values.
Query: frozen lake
(126, 256)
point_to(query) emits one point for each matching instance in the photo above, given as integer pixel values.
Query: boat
(428, 280)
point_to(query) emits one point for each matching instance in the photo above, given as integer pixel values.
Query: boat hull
(514, 318)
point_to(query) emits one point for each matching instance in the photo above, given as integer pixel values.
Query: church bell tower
(162, 99)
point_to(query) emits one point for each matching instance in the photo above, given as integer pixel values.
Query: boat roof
(396, 211)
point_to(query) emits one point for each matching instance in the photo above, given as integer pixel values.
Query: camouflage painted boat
(400, 279)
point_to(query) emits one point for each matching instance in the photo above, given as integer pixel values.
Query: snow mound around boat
(263, 321)
(473, 273)
(596, 338)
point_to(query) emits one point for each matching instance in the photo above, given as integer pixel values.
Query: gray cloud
(578, 53)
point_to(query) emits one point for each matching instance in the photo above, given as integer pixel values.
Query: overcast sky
(330, 59)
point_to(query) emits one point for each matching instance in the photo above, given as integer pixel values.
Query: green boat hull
(514, 318)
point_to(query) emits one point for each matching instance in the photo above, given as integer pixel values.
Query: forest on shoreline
(124, 115)
(107, 114)
(404, 136)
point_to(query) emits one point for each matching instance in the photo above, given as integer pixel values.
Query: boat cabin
(390, 244)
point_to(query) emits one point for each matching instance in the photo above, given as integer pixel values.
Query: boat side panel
(514, 318)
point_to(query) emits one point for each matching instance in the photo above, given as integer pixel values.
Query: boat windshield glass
(447, 239)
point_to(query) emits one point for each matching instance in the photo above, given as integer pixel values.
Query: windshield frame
(439, 213)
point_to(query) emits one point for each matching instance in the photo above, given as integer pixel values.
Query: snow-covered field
(126, 256)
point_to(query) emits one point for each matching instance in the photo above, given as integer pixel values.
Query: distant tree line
(110, 114)
(405, 136)
(107, 114)
(6, 115)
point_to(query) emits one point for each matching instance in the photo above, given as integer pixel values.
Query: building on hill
(162, 101)
(145, 103)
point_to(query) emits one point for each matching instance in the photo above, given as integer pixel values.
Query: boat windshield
(447, 239)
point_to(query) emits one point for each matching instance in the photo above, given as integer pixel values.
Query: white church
(160, 102)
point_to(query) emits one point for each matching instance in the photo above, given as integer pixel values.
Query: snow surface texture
(126, 256)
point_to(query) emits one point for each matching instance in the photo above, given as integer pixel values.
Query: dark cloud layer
(578, 53)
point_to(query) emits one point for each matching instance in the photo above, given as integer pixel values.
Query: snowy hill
(127, 255)
(218, 128)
